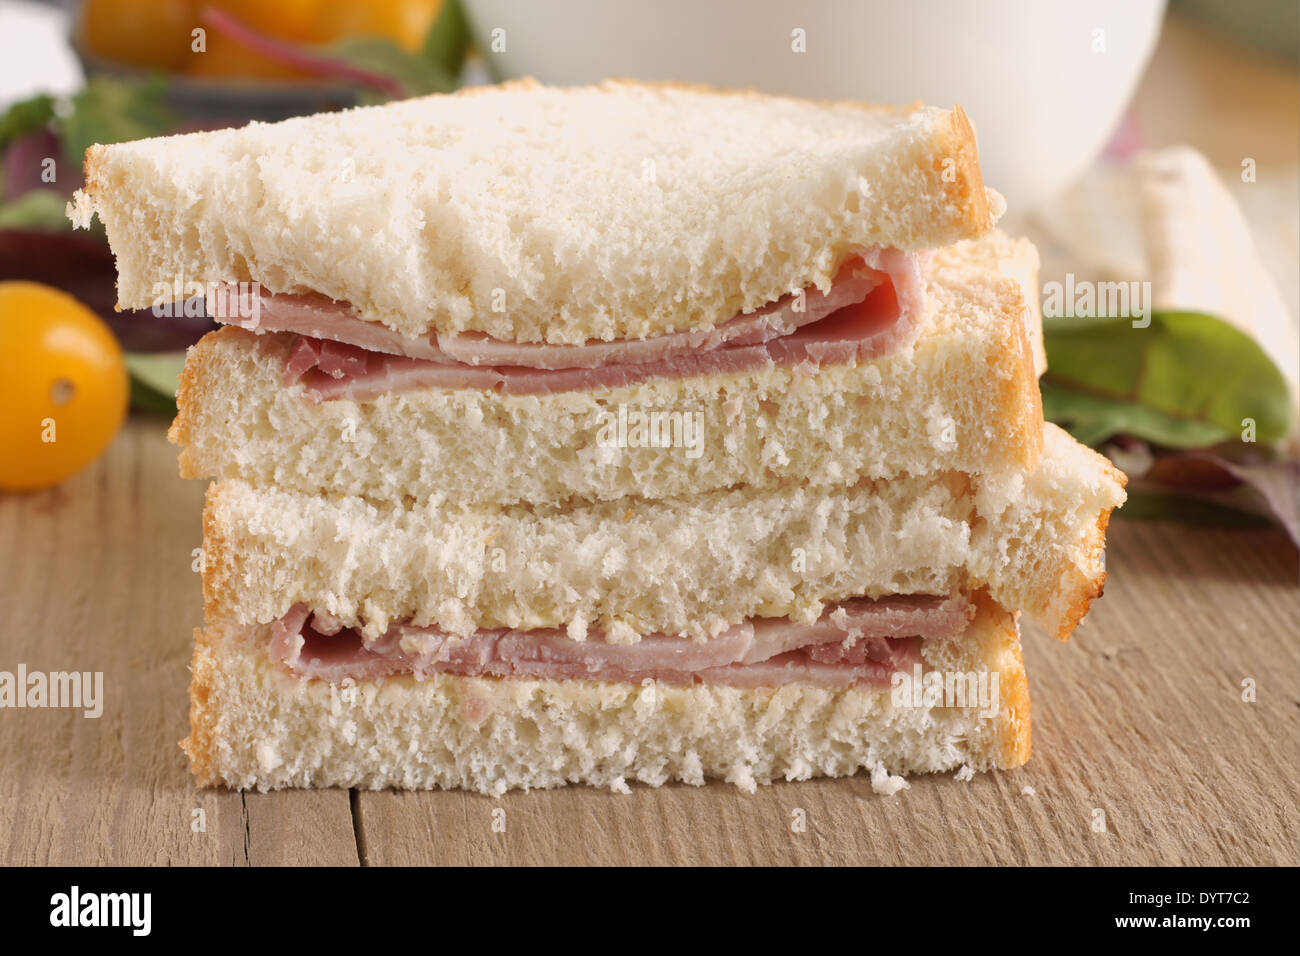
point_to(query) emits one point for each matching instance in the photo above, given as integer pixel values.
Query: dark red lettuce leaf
(1248, 480)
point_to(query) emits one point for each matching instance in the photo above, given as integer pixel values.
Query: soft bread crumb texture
(530, 213)
(1017, 259)
(694, 565)
(963, 398)
(887, 784)
(1078, 489)
(254, 727)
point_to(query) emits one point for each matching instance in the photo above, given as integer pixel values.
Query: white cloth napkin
(1166, 217)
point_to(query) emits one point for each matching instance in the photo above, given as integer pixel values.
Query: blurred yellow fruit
(405, 22)
(157, 33)
(297, 20)
(63, 386)
(145, 33)
(224, 57)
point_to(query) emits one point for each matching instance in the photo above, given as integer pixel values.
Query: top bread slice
(539, 214)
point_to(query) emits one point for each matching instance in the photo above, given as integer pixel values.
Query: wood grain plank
(1141, 715)
(300, 828)
(98, 577)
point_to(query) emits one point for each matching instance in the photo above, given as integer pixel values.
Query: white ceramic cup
(1044, 81)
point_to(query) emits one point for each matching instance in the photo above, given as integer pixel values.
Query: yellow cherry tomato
(226, 58)
(63, 386)
(405, 22)
(146, 33)
(297, 20)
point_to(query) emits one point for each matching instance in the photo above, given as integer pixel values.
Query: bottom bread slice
(254, 726)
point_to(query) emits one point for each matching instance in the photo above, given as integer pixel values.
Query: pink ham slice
(870, 329)
(853, 284)
(320, 317)
(314, 315)
(859, 641)
(873, 307)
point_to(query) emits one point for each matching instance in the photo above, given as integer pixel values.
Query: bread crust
(1020, 399)
(219, 561)
(188, 398)
(1077, 599)
(199, 746)
(1013, 681)
(965, 190)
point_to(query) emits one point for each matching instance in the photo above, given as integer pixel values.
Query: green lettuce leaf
(1187, 380)
(447, 42)
(26, 116)
(113, 111)
(1093, 419)
(435, 69)
(1189, 509)
(415, 74)
(35, 209)
(154, 378)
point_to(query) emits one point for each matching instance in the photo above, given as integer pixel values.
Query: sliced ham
(314, 316)
(872, 308)
(320, 317)
(858, 641)
(870, 329)
(853, 284)
(304, 357)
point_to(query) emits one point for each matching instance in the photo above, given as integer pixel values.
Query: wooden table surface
(1140, 718)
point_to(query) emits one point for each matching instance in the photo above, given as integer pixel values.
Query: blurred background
(1135, 141)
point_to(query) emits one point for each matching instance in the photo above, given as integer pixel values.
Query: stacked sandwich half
(607, 434)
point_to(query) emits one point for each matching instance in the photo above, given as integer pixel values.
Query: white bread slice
(252, 726)
(1017, 259)
(692, 565)
(1043, 535)
(963, 398)
(531, 213)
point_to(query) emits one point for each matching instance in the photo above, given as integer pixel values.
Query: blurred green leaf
(448, 39)
(113, 111)
(1188, 380)
(1092, 419)
(435, 69)
(35, 209)
(26, 116)
(154, 378)
(412, 72)
(1187, 509)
